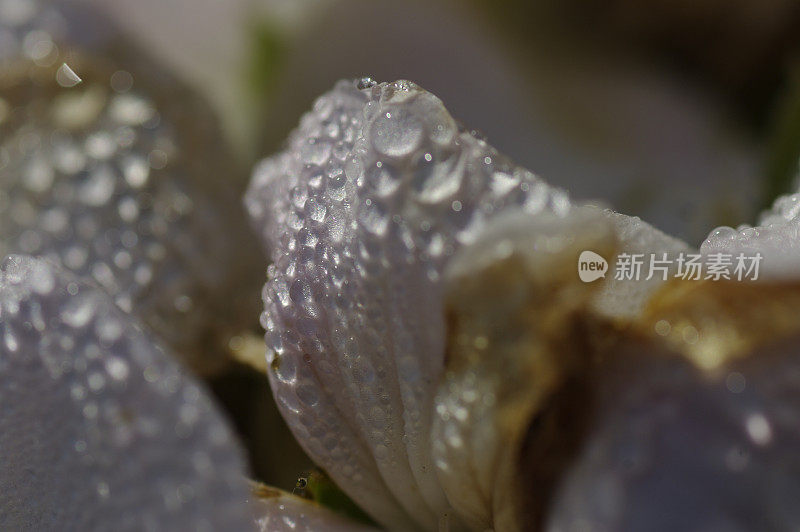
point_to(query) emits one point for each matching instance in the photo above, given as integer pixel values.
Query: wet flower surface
(429, 342)
(776, 236)
(100, 428)
(123, 177)
(377, 190)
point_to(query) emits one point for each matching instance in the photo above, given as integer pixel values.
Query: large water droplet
(396, 133)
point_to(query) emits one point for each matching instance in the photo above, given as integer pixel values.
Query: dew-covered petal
(377, 189)
(776, 237)
(123, 178)
(99, 428)
(278, 511)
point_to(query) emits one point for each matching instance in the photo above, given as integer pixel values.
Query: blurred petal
(99, 428)
(671, 449)
(124, 178)
(177, 33)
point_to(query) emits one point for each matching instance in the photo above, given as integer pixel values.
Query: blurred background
(686, 113)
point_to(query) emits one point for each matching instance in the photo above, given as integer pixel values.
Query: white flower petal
(470, 433)
(362, 212)
(777, 238)
(99, 428)
(627, 298)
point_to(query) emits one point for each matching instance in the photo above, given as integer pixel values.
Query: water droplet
(436, 180)
(383, 179)
(502, 183)
(315, 210)
(759, 429)
(315, 152)
(366, 83)
(39, 175)
(300, 292)
(98, 188)
(131, 110)
(66, 77)
(374, 217)
(128, 209)
(396, 133)
(723, 232)
(109, 329)
(121, 81)
(100, 146)
(78, 312)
